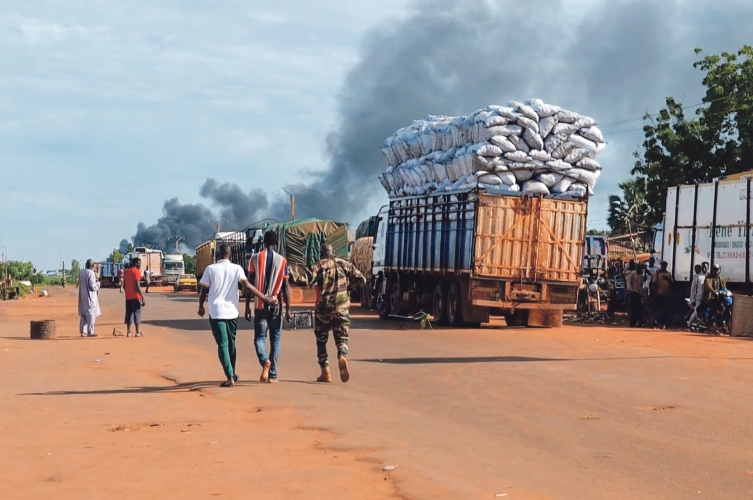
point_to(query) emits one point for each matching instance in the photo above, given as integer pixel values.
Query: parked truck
(172, 267)
(466, 255)
(708, 222)
(151, 260)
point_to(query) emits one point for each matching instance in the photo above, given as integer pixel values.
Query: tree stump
(44, 329)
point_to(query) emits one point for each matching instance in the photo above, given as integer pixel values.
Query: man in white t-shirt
(220, 282)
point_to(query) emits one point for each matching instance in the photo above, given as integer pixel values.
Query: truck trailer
(708, 222)
(466, 255)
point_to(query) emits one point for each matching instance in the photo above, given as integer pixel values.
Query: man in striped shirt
(268, 270)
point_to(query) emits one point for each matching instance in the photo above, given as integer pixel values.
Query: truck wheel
(439, 304)
(517, 318)
(455, 305)
(395, 299)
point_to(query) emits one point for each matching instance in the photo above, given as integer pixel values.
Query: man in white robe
(88, 300)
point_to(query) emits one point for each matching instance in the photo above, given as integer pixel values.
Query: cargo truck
(466, 255)
(708, 222)
(151, 259)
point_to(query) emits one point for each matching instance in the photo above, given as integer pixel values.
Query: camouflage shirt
(332, 276)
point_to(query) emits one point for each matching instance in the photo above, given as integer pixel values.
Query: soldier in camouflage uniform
(332, 276)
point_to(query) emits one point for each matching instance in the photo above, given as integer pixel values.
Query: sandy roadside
(94, 418)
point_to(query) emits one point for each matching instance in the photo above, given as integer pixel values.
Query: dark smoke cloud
(455, 56)
(191, 221)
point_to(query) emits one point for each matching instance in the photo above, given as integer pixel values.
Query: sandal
(227, 383)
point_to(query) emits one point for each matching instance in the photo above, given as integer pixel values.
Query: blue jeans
(263, 322)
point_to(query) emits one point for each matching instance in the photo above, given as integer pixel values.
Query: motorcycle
(717, 315)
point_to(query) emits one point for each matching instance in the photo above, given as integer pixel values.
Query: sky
(144, 119)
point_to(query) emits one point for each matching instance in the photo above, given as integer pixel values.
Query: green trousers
(224, 334)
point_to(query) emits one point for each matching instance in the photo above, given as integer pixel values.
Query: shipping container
(708, 223)
(466, 254)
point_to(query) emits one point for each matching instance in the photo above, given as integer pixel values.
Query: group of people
(267, 284)
(649, 292)
(88, 299)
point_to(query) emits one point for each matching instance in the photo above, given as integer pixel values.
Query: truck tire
(439, 304)
(517, 318)
(455, 305)
(395, 299)
(383, 302)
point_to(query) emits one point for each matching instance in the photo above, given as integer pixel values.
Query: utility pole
(218, 224)
(178, 239)
(292, 191)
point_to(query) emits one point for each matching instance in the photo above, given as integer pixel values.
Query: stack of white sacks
(530, 147)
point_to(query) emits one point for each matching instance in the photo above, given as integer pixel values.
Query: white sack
(524, 110)
(553, 141)
(592, 133)
(565, 128)
(540, 155)
(549, 179)
(535, 187)
(491, 179)
(526, 122)
(545, 110)
(588, 164)
(582, 142)
(501, 141)
(533, 139)
(562, 186)
(575, 155)
(506, 130)
(489, 150)
(558, 165)
(565, 116)
(522, 174)
(562, 150)
(518, 156)
(585, 122)
(546, 125)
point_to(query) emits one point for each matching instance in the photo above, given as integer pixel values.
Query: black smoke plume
(192, 221)
(613, 61)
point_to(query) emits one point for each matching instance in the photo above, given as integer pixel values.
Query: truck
(172, 266)
(466, 255)
(708, 223)
(151, 260)
(107, 273)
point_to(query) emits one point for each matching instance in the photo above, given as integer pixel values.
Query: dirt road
(579, 412)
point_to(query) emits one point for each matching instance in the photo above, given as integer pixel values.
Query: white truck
(172, 267)
(708, 223)
(151, 259)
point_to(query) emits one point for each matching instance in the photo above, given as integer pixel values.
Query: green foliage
(19, 270)
(75, 268)
(189, 262)
(115, 257)
(631, 211)
(718, 142)
(38, 279)
(596, 232)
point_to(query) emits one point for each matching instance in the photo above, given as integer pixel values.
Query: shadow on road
(194, 325)
(184, 387)
(471, 359)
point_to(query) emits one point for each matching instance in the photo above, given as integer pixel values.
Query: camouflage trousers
(338, 322)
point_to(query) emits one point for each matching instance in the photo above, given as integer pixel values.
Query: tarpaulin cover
(301, 241)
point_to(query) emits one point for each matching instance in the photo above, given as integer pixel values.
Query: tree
(115, 257)
(630, 212)
(19, 270)
(190, 263)
(75, 268)
(595, 232)
(718, 142)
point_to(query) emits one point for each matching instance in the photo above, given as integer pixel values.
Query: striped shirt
(268, 279)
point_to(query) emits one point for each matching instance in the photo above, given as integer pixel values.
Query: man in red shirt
(134, 297)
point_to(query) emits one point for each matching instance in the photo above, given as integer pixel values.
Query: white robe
(88, 300)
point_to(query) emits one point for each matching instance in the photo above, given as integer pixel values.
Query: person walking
(88, 300)
(268, 271)
(134, 297)
(121, 272)
(220, 283)
(696, 292)
(661, 292)
(332, 276)
(147, 279)
(634, 285)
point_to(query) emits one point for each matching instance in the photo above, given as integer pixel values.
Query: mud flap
(546, 318)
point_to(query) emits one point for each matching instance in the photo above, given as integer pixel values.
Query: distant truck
(172, 267)
(151, 260)
(708, 222)
(466, 255)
